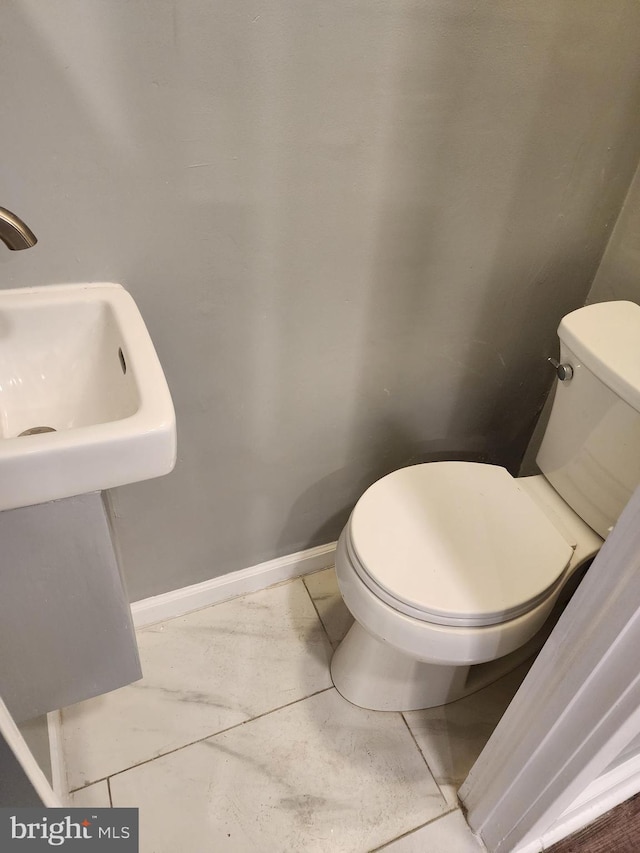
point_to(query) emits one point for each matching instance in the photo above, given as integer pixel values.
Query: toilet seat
(456, 543)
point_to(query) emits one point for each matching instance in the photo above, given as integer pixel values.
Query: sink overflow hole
(123, 363)
(36, 430)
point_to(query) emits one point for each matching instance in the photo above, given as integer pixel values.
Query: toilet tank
(591, 448)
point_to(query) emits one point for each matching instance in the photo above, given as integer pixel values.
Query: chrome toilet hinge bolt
(564, 372)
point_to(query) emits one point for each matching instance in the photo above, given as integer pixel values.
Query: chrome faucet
(14, 233)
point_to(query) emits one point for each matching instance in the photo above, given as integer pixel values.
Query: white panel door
(577, 709)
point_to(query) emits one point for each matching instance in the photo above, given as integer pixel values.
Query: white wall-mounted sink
(84, 403)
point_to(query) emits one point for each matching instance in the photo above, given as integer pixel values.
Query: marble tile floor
(235, 739)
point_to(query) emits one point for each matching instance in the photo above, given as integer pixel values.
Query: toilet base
(373, 675)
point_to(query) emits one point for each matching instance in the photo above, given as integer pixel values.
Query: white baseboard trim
(56, 753)
(178, 602)
(603, 794)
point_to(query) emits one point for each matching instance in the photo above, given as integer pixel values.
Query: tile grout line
(324, 627)
(382, 847)
(201, 739)
(449, 808)
(243, 722)
(109, 790)
(424, 758)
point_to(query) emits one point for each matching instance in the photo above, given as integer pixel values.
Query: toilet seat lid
(456, 543)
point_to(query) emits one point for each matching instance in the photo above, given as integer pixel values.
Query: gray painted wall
(352, 228)
(618, 276)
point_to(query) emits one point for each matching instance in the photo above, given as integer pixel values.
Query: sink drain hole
(36, 430)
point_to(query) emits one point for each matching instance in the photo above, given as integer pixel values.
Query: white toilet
(451, 570)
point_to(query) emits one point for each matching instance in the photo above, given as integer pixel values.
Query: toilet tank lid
(605, 337)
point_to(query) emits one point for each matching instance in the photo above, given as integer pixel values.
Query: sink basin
(84, 403)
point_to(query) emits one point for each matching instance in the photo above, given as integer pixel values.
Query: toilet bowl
(454, 571)
(400, 654)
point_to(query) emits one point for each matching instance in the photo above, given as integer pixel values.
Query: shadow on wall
(565, 197)
(352, 480)
(491, 219)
